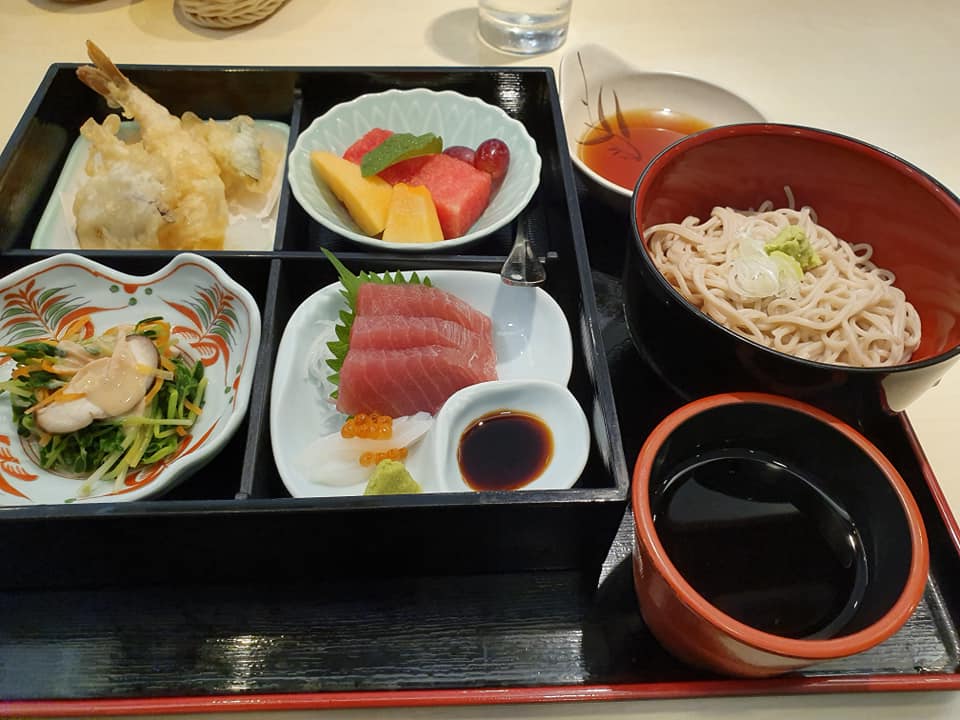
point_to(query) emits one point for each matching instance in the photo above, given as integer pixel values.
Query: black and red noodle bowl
(862, 194)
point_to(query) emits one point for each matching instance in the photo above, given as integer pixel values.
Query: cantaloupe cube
(366, 198)
(412, 216)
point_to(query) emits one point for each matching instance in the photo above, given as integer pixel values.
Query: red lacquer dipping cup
(785, 467)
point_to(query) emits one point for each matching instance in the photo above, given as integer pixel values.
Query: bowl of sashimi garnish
(414, 170)
(116, 387)
(156, 181)
(437, 381)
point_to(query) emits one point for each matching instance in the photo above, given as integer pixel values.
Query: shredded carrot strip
(44, 366)
(157, 384)
(192, 408)
(163, 333)
(167, 364)
(70, 396)
(180, 431)
(77, 326)
(45, 400)
(57, 396)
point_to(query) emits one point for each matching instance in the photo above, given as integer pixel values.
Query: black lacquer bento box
(226, 592)
(235, 520)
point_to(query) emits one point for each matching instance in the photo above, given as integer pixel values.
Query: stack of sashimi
(411, 348)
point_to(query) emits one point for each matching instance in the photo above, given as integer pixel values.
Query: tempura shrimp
(198, 213)
(127, 198)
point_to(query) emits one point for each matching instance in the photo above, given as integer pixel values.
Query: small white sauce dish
(591, 77)
(550, 402)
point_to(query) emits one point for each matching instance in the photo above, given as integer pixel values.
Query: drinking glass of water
(525, 27)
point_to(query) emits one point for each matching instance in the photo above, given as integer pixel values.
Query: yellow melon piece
(366, 198)
(412, 216)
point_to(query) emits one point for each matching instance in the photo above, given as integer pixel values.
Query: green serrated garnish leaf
(397, 147)
(351, 285)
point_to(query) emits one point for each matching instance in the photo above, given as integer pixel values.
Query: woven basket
(228, 13)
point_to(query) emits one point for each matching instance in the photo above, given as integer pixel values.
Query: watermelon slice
(404, 171)
(459, 191)
(365, 144)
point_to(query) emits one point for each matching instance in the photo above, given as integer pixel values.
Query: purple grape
(493, 156)
(461, 152)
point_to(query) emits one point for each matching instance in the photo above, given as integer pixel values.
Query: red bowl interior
(859, 192)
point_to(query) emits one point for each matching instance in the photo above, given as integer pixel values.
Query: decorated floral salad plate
(117, 387)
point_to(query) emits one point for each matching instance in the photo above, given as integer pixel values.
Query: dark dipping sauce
(620, 146)
(504, 450)
(762, 543)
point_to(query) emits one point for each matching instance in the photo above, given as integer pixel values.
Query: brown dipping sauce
(620, 147)
(504, 450)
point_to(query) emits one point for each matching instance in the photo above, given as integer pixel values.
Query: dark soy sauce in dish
(504, 450)
(762, 543)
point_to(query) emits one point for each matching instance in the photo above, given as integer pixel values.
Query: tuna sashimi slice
(420, 301)
(398, 332)
(404, 382)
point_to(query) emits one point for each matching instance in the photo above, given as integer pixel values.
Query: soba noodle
(845, 311)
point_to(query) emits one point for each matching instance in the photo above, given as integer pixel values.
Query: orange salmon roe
(373, 458)
(372, 426)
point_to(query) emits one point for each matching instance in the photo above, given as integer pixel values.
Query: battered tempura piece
(247, 165)
(128, 197)
(195, 209)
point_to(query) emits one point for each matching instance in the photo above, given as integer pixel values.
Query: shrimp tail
(105, 78)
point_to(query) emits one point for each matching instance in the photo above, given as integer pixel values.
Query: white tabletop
(884, 71)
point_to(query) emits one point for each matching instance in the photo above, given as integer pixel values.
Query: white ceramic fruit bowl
(456, 118)
(215, 320)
